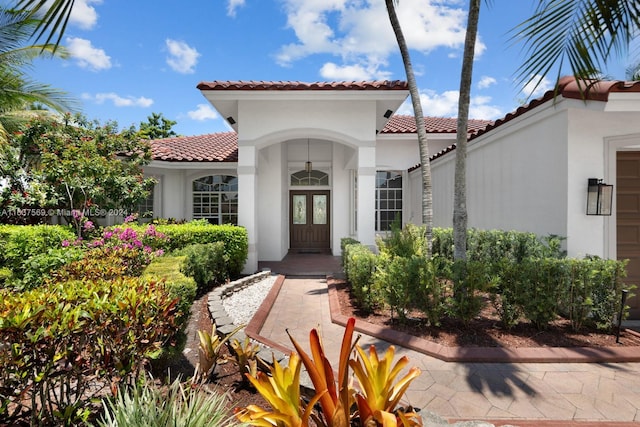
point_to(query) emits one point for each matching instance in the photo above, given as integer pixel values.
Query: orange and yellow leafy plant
(282, 391)
(373, 403)
(379, 396)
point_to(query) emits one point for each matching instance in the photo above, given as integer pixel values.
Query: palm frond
(24, 56)
(15, 28)
(17, 92)
(581, 34)
(54, 17)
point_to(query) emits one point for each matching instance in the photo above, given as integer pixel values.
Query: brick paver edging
(486, 354)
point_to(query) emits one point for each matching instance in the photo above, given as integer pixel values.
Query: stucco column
(366, 194)
(247, 196)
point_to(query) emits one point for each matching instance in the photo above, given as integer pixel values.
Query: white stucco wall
(305, 118)
(170, 187)
(341, 196)
(396, 153)
(271, 203)
(587, 146)
(516, 176)
(531, 173)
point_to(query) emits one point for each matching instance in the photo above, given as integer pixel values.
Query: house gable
(228, 96)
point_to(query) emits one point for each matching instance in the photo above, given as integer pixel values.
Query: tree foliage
(73, 164)
(156, 127)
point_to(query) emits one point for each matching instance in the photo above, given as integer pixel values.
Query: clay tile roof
(295, 85)
(594, 90)
(213, 147)
(407, 124)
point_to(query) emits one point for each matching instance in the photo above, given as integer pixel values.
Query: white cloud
(480, 108)
(119, 101)
(486, 81)
(83, 14)
(445, 104)
(203, 112)
(182, 57)
(233, 6)
(358, 29)
(355, 72)
(537, 86)
(88, 56)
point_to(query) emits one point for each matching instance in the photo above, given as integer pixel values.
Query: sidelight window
(388, 199)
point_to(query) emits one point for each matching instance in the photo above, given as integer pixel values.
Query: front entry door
(309, 221)
(628, 220)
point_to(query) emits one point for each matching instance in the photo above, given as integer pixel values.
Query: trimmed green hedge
(493, 245)
(526, 278)
(167, 269)
(235, 239)
(206, 263)
(359, 267)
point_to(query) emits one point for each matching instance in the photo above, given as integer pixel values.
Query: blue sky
(131, 58)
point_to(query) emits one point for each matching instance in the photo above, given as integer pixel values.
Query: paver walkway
(505, 393)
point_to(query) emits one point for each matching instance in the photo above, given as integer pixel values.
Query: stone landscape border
(225, 325)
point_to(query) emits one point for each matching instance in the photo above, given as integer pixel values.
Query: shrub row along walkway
(523, 394)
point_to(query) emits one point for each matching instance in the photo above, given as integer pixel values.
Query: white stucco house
(309, 163)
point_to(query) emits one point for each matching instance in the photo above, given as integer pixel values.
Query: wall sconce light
(599, 197)
(308, 166)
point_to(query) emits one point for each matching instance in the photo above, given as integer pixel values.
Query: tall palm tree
(427, 197)
(582, 34)
(18, 93)
(460, 181)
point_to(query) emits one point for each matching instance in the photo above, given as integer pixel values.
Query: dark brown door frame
(305, 235)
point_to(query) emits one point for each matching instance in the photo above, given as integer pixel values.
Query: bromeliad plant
(210, 352)
(246, 357)
(374, 403)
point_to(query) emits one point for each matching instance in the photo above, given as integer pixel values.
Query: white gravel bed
(242, 305)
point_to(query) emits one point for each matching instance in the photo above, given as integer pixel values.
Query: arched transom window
(215, 198)
(315, 177)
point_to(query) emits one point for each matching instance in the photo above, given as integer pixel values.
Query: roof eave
(187, 164)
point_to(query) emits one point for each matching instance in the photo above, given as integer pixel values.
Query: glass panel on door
(319, 209)
(299, 209)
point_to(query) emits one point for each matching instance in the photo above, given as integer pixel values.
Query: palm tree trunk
(460, 190)
(425, 167)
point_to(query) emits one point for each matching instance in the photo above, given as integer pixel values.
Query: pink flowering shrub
(127, 245)
(115, 252)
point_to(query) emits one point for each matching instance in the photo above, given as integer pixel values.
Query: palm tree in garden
(18, 93)
(423, 144)
(460, 209)
(582, 34)
(464, 100)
